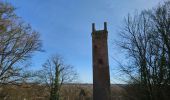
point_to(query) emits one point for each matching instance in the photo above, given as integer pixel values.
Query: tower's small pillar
(101, 75)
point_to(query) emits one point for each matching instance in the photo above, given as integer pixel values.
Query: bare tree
(145, 38)
(54, 74)
(161, 20)
(17, 42)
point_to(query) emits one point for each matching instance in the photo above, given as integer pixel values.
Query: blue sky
(65, 28)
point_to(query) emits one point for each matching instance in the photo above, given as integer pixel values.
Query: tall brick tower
(101, 75)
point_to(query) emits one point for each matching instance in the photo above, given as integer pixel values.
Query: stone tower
(101, 75)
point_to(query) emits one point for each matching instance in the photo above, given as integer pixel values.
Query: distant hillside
(41, 92)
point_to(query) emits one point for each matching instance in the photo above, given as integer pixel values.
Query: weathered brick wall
(101, 77)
